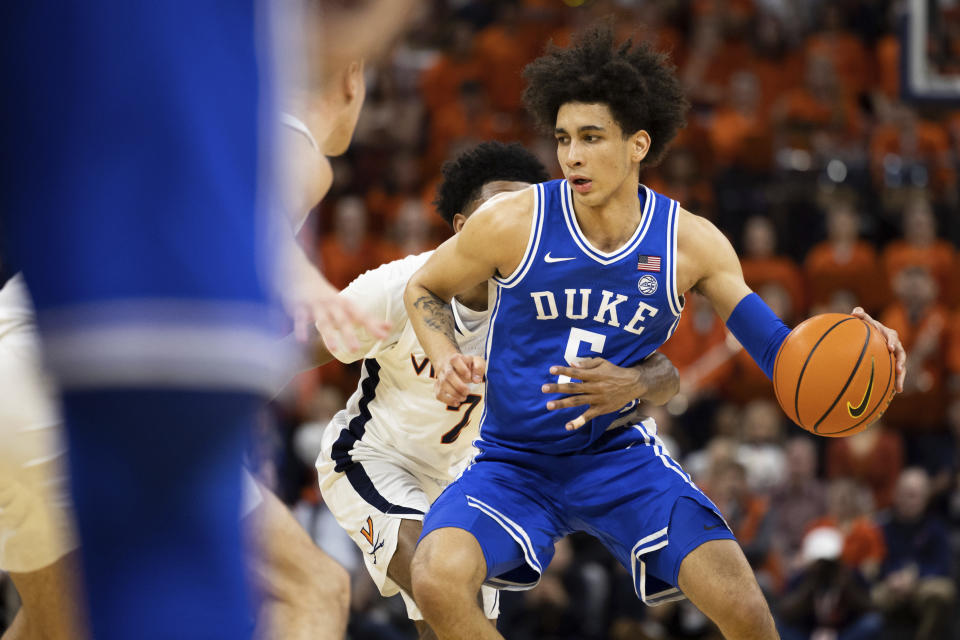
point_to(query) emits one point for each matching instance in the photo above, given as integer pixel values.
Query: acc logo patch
(647, 285)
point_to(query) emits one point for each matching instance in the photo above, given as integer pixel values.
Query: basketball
(834, 375)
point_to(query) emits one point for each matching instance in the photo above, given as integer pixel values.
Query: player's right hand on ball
(454, 376)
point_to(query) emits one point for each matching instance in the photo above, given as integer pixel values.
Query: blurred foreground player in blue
(593, 265)
(132, 163)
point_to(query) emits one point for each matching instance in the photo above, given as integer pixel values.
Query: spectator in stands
(503, 48)
(915, 579)
(849, 510)
(799, 500)
(716, 454)
(682, 177)
(400, 183)
(699, 349)
(905, 149)
(826, 599)
(921, 322)
(715, 52)
(953, 354)
(465, 120)
(392, 115)
(349, 251)
(873, 457)
(454, 66)
(774, 62)
(844, 262)
(819, 115)
(843, 48)
(761, 449)
(748, 514)
(739, 129)
(920, 247)
(762, 265)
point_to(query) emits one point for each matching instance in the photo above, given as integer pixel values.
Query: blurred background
(836, 192)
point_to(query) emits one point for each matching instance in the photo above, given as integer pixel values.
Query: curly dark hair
(464, 176)
(638, 84)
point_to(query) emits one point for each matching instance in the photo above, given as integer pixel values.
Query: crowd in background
(834, 191)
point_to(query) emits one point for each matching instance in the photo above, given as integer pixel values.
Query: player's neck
(610, 223)
(314, 111)
(475, 298)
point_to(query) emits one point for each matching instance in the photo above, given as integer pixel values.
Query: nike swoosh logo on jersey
(547, 258)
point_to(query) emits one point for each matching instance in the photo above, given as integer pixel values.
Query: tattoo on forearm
(438, 315)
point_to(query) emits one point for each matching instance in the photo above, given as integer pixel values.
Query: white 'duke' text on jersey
(606, 308)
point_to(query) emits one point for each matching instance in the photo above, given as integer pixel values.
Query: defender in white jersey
(388, 455)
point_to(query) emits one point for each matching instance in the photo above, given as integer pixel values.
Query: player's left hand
(604, 386)
(893, 343)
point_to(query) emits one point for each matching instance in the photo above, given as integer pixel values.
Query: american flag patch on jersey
(648, 263)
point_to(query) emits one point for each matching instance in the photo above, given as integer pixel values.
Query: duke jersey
(569, 300)
(394, 411)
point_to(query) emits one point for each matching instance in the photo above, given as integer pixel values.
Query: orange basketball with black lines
(834, 375)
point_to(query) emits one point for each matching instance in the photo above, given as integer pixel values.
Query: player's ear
(353, 81)
(458, 221)
(640, 145)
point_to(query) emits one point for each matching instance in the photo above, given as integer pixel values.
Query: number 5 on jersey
(470, 403)
(577, 337)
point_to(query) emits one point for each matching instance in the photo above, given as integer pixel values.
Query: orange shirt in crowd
(383, 205)
(697, 197)
(953, 339)
(775, 75)
(940, 259)
(441, 82)
(725, 61)
(888, 65)
(800, 107)
(697, 346)
(877, 466)
(862, 540)
(452, 123)
(735, 136)
(741, 8)
(747, 381)
(759, 272)
(340, 266)
(922, 408)
(827, 271)
(850, 59)
(503, 52)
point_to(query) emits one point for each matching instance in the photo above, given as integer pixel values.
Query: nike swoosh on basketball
(857, 411)
(547, 258)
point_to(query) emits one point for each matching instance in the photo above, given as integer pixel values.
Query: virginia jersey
(394, 411)
(566, 300)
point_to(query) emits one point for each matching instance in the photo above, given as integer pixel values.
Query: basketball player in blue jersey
(592, 265)
(132, 155)
(390, 452)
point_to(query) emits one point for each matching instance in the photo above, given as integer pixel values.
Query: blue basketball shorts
(625, 490)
